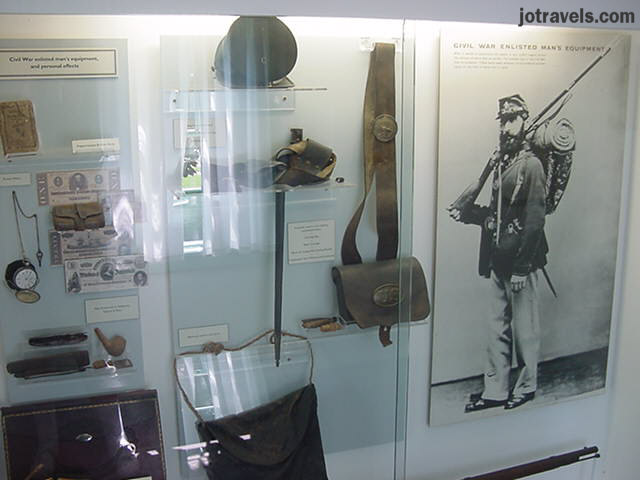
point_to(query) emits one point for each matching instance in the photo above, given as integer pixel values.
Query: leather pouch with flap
(78, 216)
(370, 294)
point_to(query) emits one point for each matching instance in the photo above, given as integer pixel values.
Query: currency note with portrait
(105, 274)
(78, 244)
(76, 186)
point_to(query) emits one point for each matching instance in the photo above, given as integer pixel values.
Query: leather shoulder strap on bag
(379, 157)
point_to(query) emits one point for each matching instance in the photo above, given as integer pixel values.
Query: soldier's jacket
(522, 223)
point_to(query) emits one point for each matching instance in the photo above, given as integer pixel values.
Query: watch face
(25, 278)
(27, 296)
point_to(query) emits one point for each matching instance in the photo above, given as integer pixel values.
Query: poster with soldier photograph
(531, 147)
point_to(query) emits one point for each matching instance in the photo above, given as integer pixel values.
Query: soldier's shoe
(482, 404)
(518, 400)
(474, 396)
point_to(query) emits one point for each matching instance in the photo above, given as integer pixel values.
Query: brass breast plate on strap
(384, 128)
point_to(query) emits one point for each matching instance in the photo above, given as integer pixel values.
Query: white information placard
(112, 309)
(312, 241)
(199, 131)
(15, 179)
(58, 63)
(95, 145)
(189, 337)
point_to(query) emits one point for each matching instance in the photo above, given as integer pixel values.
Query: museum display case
(251, 180)
(315, 247)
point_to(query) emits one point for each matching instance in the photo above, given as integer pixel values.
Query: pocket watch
(21, 277)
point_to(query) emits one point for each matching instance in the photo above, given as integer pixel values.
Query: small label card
(194, 133)
(190, 337)
(58, 63)
(312, 241)
(15, 179)
(96, 145)
(112, 309)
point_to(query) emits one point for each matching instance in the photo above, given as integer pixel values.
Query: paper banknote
(101, 242)
(105, 274)
(76, 186)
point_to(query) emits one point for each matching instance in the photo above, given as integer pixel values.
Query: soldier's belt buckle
(384, 128)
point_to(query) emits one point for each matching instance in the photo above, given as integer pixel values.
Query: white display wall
(609, 421)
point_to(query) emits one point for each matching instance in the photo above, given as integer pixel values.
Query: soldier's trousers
(514, 327)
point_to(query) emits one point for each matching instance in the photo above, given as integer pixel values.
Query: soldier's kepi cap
(512, 105)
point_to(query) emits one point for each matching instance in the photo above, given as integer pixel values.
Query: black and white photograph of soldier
(527, 222)
(513, 249)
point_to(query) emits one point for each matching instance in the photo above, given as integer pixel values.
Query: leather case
(109, 437)
(307, 162)
(370, 294)
(78, 216)
(303, 163)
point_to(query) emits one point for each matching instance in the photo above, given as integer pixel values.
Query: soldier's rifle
(540, 466)
(469, 195)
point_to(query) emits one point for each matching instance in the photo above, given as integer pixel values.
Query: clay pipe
(114, 346)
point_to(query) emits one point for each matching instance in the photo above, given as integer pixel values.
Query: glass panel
(405, 199)
(225, 202)
(77, 177)
(225, 278)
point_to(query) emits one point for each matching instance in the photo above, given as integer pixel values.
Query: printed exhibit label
(58, 63)
(112, 309)
(312, 241)
(15, 179)
(190, 337)
(188, 133)
(96, 145)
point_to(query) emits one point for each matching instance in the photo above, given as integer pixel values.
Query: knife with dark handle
(58, 340)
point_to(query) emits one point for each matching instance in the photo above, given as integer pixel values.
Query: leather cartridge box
(372, 294)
